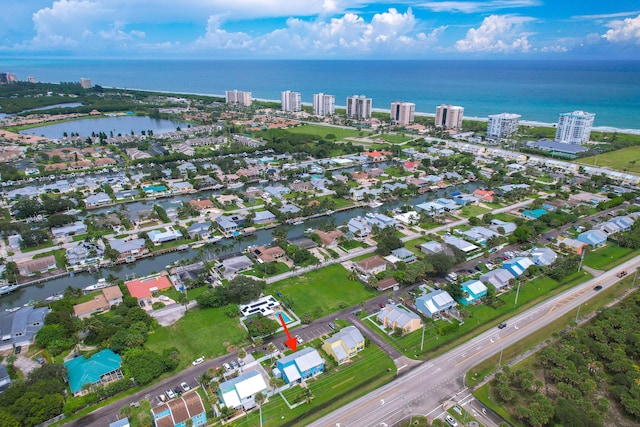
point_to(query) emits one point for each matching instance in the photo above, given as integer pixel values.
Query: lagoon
(116, 125)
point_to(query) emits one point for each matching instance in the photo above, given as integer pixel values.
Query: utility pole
(422, 343)
(517, 292)
(581, 259)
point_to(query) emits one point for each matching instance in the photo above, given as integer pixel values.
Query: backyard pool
(284, 316)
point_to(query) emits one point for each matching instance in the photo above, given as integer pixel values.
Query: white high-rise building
(359, 107)
(402, 113)
(85, 83)
(449, 116)
(238, 97)
(291, 101)
(502, 125)
(323, 105)
(574, 128)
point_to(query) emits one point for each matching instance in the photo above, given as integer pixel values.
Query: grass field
(626, 159)
(331, 390)
(323, 131)
(395, 139)
(471, 210)
(608, 257)
(322, 291)
(207, 332)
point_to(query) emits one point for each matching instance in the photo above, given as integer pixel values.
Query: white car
(452, 422)
(198, 361)
(299, 339)
(163, 298)
(185, 386)
(170, 394)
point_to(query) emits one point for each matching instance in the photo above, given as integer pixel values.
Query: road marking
(361, 407)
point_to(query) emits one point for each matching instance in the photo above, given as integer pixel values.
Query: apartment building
(502, 125)
(449, 116)
(359, 107)
(402, 113)
(323, 104)
(238, 97)
(574, 128)
(291, 101)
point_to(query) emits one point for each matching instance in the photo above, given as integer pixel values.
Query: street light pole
(517, 293)
(422, 342)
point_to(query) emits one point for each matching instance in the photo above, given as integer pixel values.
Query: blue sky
(319, 29)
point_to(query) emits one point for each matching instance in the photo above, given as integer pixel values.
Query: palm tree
(259, 398)
(271, 348)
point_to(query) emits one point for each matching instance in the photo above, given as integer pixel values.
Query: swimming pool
(284, 316)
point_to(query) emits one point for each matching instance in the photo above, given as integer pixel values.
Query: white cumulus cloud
(627, 30)
(349, 34)
(497, 33)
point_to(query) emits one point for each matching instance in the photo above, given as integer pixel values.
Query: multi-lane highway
(424, 389)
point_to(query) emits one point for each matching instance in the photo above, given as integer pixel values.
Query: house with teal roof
(155, 190)
(473, 290)
(101, 368)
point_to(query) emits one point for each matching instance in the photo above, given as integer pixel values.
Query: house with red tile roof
(144, 288)
(484, 195)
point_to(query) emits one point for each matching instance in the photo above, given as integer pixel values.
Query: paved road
(424, 389)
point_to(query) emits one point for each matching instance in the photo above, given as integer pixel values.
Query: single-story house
(125, 194)
(300, 365)
(165, 235)
(484, 195)
(240, 392)
(461, 244)
(267, 254)
(234, 265)
(435, 302)
(359, 227)
(408, 218)
(380, 220)
(99, 199)
(101, 368)
(289, 208)
(371, 266)
(430, 208)
(263, 217)
(266, 305)
(498, 278)
(201, 205)
(329, 238)
(345, 344)
(37, 266)
(502, 227)
(74, 229)
(431, 247)
(572, 244)
(517, 266)
(393, 316)
(176, 412)
(144, 288)
(387, 283)
(227, 199)
(542, 256)
(594, 238)
(479, 235)
(475, 290)
(404, 255)
(100, 303)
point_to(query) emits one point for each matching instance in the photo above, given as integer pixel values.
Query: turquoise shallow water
(538, 90)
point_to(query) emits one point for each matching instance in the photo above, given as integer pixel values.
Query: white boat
(54, 297)
(214, 239)
(235, 185)
(375, 204)
(101, 284)
(197, 246)
(297, 222)
(12, 310)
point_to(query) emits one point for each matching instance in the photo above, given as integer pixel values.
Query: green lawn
(625, 159)
(331, 390)
(47, 244)
(608, 257)
(207, 332)
(352, 244)
(505, 217)
(322, 291)
(258, 270)
(472, 210)
(322, 131)
(395, 139)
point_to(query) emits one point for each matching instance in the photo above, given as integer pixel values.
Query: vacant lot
(626, 159)
(322, 291)
(323, 131)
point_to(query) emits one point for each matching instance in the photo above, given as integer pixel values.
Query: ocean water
(537, 90)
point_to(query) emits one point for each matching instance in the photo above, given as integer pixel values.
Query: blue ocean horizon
(537, 90)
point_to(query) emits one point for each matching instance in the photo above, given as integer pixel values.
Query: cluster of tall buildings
(358, 106)
(238, 97)
(6, 78)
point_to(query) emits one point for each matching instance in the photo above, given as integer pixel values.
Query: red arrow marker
(290, 342)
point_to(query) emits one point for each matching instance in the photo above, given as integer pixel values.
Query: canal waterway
(150, 265)
(123, 125)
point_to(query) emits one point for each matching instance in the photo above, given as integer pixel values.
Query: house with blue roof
(448, 204)
(479, 235)
(434, 303)
(517, 266)
(403, 254)
(430, 208)
(474, 290)
(101, 368)
(226, 224)
(359, 227)
(381, 220)
(300, 365)
(289, 208)
(594, 238)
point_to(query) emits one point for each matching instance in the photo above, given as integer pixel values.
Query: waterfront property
(101, 368)
(240, 392)
(178, 412)
(100, 303)
(37, 266)
(299, 366)
(145, 287)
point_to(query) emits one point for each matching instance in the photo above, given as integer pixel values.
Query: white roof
(292, 373)
(231, 399)
(476, 287)
(431, 307)
(308, 361)
(251, 386)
